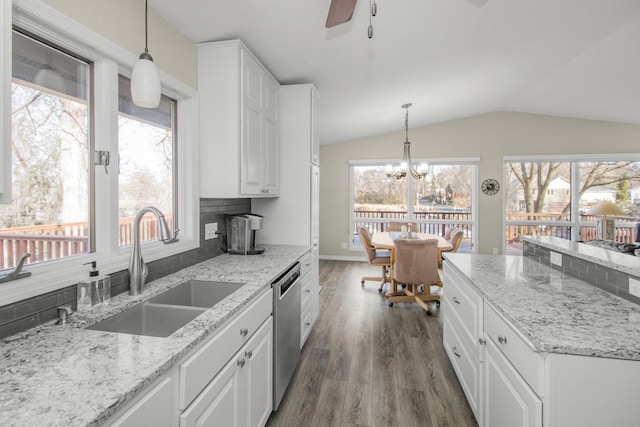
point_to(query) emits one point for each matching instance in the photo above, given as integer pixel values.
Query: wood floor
(365, 364)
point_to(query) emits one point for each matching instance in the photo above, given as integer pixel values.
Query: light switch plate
(210, 231)
(556, 259)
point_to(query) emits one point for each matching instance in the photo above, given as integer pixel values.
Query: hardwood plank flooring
(368, 365)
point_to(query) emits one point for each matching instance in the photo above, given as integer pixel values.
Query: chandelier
(406, 165)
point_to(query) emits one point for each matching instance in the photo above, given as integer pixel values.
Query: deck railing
(55, 241)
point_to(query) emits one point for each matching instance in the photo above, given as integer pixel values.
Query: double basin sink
(167, 312)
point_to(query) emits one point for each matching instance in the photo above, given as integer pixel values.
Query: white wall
(122, 22)
(489, 136)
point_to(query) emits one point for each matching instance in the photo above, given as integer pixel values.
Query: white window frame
(473, 161)
(109, 60)
(575, 160)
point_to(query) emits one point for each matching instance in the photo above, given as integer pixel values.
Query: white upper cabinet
(239, 154)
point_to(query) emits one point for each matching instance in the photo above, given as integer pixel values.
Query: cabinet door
(508, 400)
(270, 157)
(218, 403)
(250, 152)
(257, 376)
(315, 138)
(154, 408)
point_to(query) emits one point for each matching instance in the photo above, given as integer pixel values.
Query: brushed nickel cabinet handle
(482, 341)
(454, 299)
(455, 351)
(244, 332)
(241, 362)
(502, 339)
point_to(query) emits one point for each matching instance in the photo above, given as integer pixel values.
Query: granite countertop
(555, 312)
(624, 262)
(69, 376)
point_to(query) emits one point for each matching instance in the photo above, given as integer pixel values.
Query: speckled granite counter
(557, 313)
(615, 260)
(68, 376)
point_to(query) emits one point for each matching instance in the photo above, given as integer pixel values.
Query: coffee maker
(241, 234)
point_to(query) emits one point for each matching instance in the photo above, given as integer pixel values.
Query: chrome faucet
(17, 272)
(137, 268)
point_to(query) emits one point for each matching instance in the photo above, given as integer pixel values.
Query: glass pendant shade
(145, 81)
(145, 84)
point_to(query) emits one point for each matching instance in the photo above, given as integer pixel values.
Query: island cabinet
(509, 383)
(239, 149)
(226, 380)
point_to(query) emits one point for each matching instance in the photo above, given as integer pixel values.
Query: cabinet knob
(308, 291)
(502, 339)
(454, 299)
(455, 351)
(482, 341)
(244, 332)
(241, 362)
(248, 354)
(307, 323)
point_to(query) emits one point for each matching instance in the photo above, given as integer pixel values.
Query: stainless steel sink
(164, 314)
(155, 320)
(197, 293)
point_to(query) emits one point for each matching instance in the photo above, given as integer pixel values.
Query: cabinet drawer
(306, 324)
(305, 292)
(204, 364)
(305, 264)
(466, 365)
(465, 306)
(524, 359)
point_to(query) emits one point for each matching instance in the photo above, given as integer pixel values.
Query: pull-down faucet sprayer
(137, 268)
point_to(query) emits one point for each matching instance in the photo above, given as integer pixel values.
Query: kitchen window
(551, 196)
(445, 198)
(48, 215)
(85, 91)
(146, 163)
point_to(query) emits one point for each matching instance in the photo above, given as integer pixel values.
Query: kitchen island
(539, 338)
(70, 376)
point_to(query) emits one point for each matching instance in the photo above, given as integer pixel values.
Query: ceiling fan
(340, 12)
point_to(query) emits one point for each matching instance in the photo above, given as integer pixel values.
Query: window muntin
(50, 207)
(559, 213)
(444, 199)
(146, 172)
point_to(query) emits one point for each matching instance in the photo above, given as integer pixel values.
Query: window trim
(473, 161)
(109, 60)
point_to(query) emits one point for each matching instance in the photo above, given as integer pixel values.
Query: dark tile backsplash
(614, 281)
(22, 315)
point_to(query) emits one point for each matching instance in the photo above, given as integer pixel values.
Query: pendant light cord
(146, 15)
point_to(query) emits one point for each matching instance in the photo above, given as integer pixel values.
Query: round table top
(384, 239)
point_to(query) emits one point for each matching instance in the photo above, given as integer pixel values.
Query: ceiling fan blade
(340, 12)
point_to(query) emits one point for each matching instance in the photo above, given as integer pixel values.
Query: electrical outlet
(634, 287)
(556, 259)
(343, 245)
(210, 231)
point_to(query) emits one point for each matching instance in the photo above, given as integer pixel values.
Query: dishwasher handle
(285, 282)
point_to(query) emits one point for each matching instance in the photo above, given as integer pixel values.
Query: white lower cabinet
(225, 381)
(155, 408)
(508, 400)
(240, 395)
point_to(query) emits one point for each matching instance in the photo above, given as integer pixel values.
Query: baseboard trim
(342, 258)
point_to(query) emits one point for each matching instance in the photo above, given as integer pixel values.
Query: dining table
(384, 240)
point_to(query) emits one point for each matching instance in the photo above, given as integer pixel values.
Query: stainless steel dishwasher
(286, 330)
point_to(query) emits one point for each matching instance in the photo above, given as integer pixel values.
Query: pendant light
(145, 81)
(406, 166)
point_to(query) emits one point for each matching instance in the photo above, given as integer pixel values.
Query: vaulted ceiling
(450, 58)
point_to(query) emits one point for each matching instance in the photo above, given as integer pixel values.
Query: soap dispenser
(95, 290)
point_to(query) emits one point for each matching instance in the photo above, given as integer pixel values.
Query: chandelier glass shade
(407, 166)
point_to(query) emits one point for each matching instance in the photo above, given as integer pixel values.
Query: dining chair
(397, 226)
(416, 267)
(455, 239)
(375, 257)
